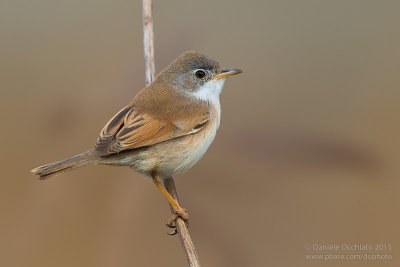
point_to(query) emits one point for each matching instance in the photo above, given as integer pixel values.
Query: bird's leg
(179, 211)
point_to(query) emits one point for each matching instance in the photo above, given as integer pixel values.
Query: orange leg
(179, 211)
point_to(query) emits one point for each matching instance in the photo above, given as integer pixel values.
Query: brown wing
(129, 129)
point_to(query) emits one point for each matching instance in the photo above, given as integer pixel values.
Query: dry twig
(148, 40)
(181, 226)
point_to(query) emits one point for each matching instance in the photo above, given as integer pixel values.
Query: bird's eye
(200, 74)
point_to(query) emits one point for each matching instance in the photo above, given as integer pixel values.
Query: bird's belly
(174, 156)
(169, 157)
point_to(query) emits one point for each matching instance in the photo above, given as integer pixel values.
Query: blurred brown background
(307, 152)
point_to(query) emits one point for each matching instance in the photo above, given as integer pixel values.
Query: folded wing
(130, 129)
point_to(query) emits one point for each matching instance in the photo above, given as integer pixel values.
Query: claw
(173, 232)
(171, 222)
(179, 213)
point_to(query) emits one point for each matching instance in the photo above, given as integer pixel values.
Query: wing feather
(130, 129)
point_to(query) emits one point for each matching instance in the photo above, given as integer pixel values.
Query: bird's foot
(179, 213)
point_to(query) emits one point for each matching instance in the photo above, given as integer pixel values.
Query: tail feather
(87, 158)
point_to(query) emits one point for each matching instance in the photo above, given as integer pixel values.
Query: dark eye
(200, 74)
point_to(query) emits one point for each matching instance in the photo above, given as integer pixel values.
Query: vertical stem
(182, 228)
(148, 41)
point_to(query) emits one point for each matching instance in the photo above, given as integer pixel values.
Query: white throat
(210, 91)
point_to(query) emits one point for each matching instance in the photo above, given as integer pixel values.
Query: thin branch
(182, 228)
(169, 184)
(148, 40)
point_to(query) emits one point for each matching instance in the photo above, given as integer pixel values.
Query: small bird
(165, 129)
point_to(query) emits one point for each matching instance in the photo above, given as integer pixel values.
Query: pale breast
(177, 155)
(170, 157)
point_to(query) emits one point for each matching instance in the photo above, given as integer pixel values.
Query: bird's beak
(226, 73)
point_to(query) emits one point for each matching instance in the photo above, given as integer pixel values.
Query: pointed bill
(226, 73)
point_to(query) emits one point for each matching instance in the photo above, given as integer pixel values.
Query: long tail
(87, 158)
